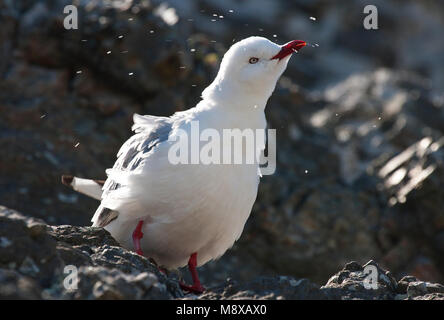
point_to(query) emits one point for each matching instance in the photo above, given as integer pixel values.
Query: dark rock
(34, 255)
(100, 283)
(34, 258)
(42, 262)
(353, 266)
(358, 283)
(347, 284)
(420, 288)
(404, 283)
(18, 286)
(265, 288)
(79, 236)
(431, 296)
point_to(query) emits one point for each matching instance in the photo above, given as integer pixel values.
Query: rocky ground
(35, 259)
(359, 120)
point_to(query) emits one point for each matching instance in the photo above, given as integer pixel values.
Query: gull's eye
(253, 60)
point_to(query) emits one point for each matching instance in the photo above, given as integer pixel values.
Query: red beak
(289, 48)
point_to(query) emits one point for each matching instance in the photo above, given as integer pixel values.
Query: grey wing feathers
(149, 132)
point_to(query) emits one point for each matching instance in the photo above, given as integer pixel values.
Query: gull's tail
(90, 187)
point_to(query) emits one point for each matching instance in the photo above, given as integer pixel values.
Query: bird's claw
(195, 288)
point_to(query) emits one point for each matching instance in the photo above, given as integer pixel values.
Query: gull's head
(252, 66)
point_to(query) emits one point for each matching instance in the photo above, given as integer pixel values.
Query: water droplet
(77, 144)
(313, 18)
(108, 52)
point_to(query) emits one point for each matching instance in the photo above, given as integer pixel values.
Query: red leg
(196, 287)
(137, 235)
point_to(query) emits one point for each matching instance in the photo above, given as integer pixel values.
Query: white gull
(179, 214)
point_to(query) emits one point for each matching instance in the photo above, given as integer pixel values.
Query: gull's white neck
(227, 95)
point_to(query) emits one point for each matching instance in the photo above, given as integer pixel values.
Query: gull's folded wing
(149, 132)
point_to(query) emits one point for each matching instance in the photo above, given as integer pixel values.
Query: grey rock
(33, 265)
(18, 286)
(265, 288)
(69, 262)
(421, 288)
(355, 282)
(101, 283)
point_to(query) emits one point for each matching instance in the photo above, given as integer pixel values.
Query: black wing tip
(67, 180)
(106, 216)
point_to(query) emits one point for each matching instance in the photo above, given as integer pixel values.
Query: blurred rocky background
(359, 116)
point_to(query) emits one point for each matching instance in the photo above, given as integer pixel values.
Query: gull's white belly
(207, 216)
